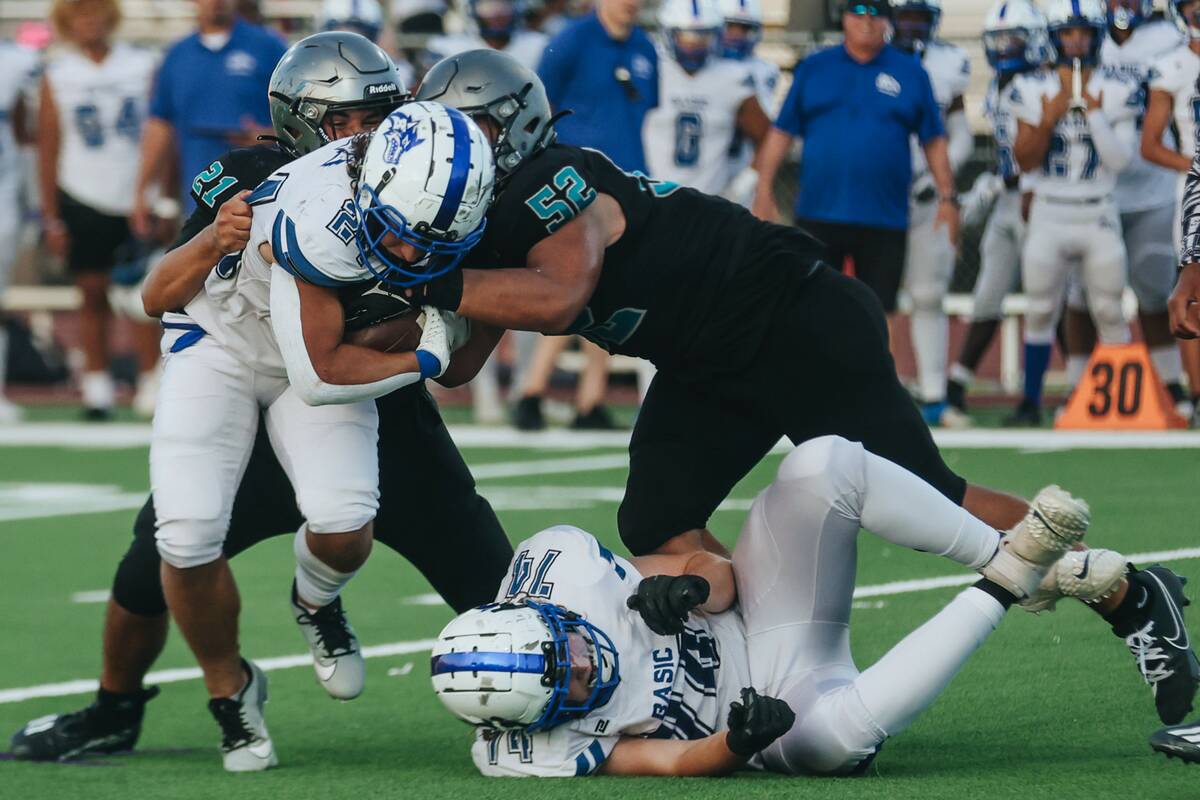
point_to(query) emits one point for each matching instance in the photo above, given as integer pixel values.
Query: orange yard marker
(1120, 390)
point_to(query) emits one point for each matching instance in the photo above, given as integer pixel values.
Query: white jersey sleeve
(559, 753)
(1176, 74)
(766, 84)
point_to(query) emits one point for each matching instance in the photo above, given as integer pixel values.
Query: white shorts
(204, 428)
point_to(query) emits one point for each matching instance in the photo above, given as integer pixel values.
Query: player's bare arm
(699, 758)
(181, 273)
(560, 274)
(1184, 303)
(715, 570)
(753, 121)
(1158, 117)
(471, 357)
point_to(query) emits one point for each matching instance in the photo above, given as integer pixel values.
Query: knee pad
(830, 467)
(191, 543)
(1110, 322)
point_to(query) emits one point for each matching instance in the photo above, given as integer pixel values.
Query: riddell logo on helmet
(376, 89)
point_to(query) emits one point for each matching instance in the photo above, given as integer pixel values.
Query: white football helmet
(507, 665)
(426, 179)
(360, 16)
(1015, 37)
(748, 14)
(1189, 24)
(1125, 15)
(691, 28)
(1063, 14)
(913, 34)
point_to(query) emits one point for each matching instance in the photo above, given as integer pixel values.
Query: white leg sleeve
(317, 583)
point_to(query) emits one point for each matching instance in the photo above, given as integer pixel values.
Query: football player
(1134, 42)
(740, 34)
(498, 24)
(591, 663)
(16, 71)
(1172, 102)
(739, 316)
(929, 262)
(706, 105)
(136, 622)
(1076, 126)
(1015, 41)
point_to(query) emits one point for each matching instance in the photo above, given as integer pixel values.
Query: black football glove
(367, 304)
(444, 291)
(757, 721)
(665, 600)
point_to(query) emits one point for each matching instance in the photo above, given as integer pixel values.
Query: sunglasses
(865, 9)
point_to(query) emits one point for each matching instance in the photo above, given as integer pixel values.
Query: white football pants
(795, 564)
(928, 268)
(999, 257)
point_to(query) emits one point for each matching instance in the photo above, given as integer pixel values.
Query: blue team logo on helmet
(401, 136)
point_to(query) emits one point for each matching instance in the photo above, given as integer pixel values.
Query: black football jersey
(691, 282)
(243, 168)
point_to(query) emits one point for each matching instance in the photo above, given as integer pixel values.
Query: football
(396, 335)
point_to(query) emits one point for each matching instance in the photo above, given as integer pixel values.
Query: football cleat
(1087, 575)
(337, 657)
(1160, 645)
(1182, 742)
(1025, 415)
(527, 414)
(1054, 523)
(245, 744)
(106, 726)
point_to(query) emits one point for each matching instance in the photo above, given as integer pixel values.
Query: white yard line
(126, 435)
(84, 686)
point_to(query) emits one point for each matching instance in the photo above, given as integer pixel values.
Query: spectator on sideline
(17, 66)
(210, 94)
(855, 106)
(604, 68)
(93, 103)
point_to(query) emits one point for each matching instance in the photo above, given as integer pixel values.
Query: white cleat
(10, 412)
(1054, 523)
(337, 657)
(1087, 575)
(245, 744)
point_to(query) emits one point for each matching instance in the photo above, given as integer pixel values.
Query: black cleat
(109, 725)
(97, 414)
(598, 419)
(1025, 415)
(1161, 646)
(527, 415)
(1182, 742)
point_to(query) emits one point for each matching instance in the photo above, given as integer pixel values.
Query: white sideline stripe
(130, 434)
(402, 648)
(97, 596)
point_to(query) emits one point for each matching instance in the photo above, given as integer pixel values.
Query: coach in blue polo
(856, 107)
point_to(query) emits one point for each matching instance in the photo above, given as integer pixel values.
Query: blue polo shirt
(579, 68)
(207, 94)
(856, 120)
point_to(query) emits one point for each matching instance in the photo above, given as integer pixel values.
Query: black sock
(1131, 613)
(979, 337)
(118, 703)
(1003, 596)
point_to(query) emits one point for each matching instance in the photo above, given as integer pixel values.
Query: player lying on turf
(753, 336)
(136, 622)
(695, 664)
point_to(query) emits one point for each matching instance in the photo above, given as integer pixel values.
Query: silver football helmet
(330, 71)
(493, 84)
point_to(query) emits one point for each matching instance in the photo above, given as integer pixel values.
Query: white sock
(317, 583)
(902, 508)
(961, 374)
(1167, 363)
(931, 343)
(1076, 364)
(98, 390)
(910, 676)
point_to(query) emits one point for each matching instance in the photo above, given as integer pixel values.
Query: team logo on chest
(887, 84)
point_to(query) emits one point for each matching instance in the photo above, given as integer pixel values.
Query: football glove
(433, 352)
(664, 601)
(756, 721)
(444, 291)
(367, 304)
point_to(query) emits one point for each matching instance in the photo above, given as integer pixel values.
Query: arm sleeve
(1025, 104)
(790, 118)
(285, 322)
(1114, 143)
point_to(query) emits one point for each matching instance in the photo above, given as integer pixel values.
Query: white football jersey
(305, 214)
(766, 84)
(949, 70)
(1142, 185)
(101, 108)
(1176, 74)
(671, 686)
(999, 113)
(525, 46)
(1072, 169)
(688, 138)
(17, 66)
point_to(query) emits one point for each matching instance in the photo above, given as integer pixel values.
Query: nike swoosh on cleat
(1087, 560)
(260, 749)
(325, 671)
(1176, 617)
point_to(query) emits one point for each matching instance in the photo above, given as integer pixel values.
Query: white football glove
(458, 329)
(435, 341)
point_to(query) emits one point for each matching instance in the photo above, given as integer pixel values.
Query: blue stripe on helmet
(1003, 10)
(1075, 12)
(696, 8)
(477, 661)
(460, 167)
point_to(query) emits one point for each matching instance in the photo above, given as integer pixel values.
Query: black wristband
(445, 291)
